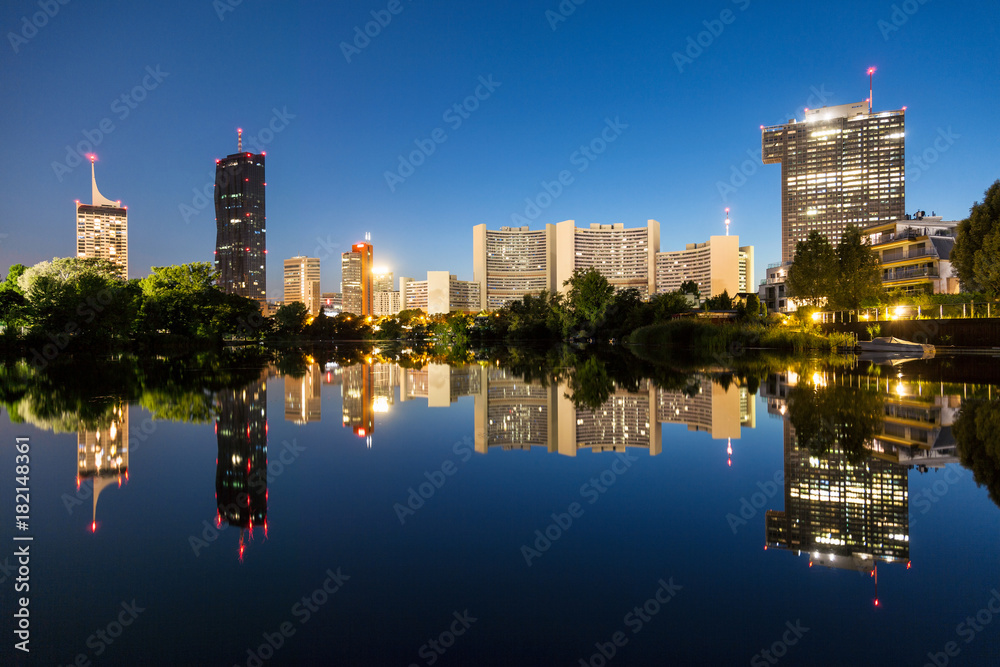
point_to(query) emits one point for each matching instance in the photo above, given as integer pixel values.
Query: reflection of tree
(591, 384)
(977, 432)
(847, 417)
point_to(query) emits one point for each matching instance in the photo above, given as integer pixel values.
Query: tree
(859, 273)
(590, 294)
(183, 300)
(974, 255)
(66, 269)
(14, 274)
(291, 318)
(690, 287)
(811, 276)
(720, 301)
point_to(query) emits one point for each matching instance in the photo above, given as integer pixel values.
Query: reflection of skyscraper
(102, 454)
(512, 413)
(302, 396)
(241, 468)
(440, 384)
(709, 407)
(844, 514)
(358, 392)
(626, 419)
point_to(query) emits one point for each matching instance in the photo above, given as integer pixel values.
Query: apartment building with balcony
(915, 253)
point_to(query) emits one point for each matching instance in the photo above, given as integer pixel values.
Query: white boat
(891, 345)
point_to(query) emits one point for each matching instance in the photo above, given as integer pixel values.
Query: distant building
(302, 396)
(241, 233)
(511, 263)
(382, 281)
(102, 229)
(356, 285)
(717, 265)
(772, 290)
(842, 165)
(915, 253)
(440, 293)
(332, 303)
(302, 282)
(387, 303)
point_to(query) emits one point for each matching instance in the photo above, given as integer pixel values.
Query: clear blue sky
(686, 130)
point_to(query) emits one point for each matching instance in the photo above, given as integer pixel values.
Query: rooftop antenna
(239, 140)
(871, 103)
(368, 236)
(727, 222)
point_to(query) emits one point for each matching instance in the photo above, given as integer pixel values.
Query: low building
(302, 282)
(915, 253)
(332, 303)
(442, 292)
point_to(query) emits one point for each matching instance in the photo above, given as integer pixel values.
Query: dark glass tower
(240, 242)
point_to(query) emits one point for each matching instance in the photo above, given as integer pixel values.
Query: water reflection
(241, 466)
(102, 454)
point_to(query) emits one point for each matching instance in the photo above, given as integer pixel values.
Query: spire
(239, 140)
(97, 198)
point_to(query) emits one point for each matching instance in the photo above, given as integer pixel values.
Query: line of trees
(976, 255)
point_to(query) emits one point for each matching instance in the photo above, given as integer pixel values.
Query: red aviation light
(93, 527)
(876, 602)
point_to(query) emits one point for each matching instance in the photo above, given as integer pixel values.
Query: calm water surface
(328, 512)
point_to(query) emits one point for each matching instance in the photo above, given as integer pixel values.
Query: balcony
(910, 274)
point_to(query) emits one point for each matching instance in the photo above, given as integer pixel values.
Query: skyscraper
(102, 228)
(842, 165)
(240, 241)
(356, 286)
(302, 282)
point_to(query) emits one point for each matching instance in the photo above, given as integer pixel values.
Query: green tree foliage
(835, 417)
(720, 302)
(290, 318)
(977, 432)
(12, 301)
(591, 385)
(975, 255)
(10, 283)
(810, 278)
(183, 300)
(859, 274)
(588, 299)
(690, 287)
(66, 270)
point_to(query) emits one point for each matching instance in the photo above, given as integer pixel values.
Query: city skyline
(658, 127)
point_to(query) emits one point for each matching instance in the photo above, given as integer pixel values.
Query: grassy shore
(705, 338)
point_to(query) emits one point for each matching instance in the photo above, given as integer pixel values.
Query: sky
(653, 110)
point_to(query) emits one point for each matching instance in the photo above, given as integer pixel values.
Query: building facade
(332, 303)
(356, 285)
(387, 303)
(102, 229)
(240, 222)
(626, 257)
(302, 282)
(842, 165)
(717, 265)
(442, 292)
(915, 254)
(511, 263)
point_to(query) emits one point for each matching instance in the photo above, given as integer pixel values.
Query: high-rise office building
(442, 292)
(302, 282)
(240, 242)
(626, 257)
(102, 228)
(842, 165)
(356, 285)
(381, 280)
